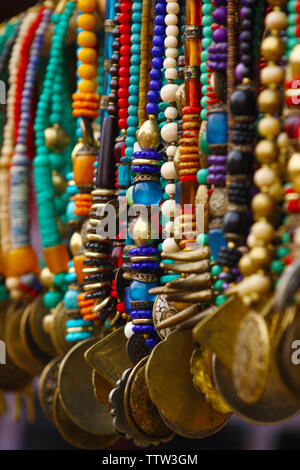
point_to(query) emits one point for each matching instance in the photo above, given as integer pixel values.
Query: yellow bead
(87, 21)
(246, 265)
(87, 6)
(276, 20)
(87, 39)
(266, 151)
(260, 256)
(87, 71)
(272, 74)
(269, 127)
(87, 55)
(263, 230)
(87, 86)
(272, 48)
(262, 205)
(269, 101)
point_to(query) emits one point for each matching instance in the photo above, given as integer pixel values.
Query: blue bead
(155, 85)
(159, 20)
(153, 96)
(151, 108)
(217, 128)
(139, 291)
(157, 62)
(216, 240)
(160, 8)
(147, 193)
(155, 74)
(158, 41)
(157, 51)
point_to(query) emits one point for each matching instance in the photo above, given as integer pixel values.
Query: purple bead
(241, 71)
(246, 13)
(220, 35)
(235, 271)
(216, 169)
(217, 159)
(220, 15)
(222, 66)
(220, 2)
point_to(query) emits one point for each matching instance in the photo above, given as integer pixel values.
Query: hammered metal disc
(171, 389)
(12, 378)
(288, 357)
(14, 345)
(276, 404)
(47, 387)
(38, 311)
(75, 435)
(102, 388)
(162, 309)
(58, 329)
(251, 358)
(77, 395)
(136, 348)
(141, 413)
(32, 349)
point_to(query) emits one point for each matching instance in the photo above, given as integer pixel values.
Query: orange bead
(20, 261)
(79, 266)
(56, 258)
(87, 55)
(83, 169)
(87, 6)
(87, 86)
(87, 39)
(87, 71)
(87, 21)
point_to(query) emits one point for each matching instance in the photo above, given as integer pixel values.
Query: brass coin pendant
(251, 358)
(102, 388)
(76, 392)
(55, 325)
(170, 383)
(142, 415)
(38, 311)
(47, 387)
(202, 380)
(75, 435)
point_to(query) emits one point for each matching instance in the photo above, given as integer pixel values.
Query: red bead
(191, 110)
(122, 123)
(288, 259)
(124, 81)
(123, 113)
(124, 61)
(124, 18)
(188, 178)
(123, 102)
(125, 7)
(125, 39)
(123, 93)
(125, 50)
(214, 26)
(121, 307)
(124, 72)
(125, 28)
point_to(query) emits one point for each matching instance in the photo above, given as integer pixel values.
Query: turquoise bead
(168, 277)
(135, 49)
(136, 28)
(71, 300)
(136, 17)
(207, 20)
(135, 38)
(202, 175)
(216, 241)
(133, 89)
(52, 298)
(202, 239)
(220, 299)
(133, 99)
(207, 9)
(131, 132)
(132, 121)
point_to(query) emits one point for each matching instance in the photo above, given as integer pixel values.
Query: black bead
(242, 102)
(246, 25)
(245, 47)
(235, 222)
(246, 59)
(238, 162)
(246, 36)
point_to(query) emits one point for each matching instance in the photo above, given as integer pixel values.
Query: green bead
(203, 114)
(202, 176)
(282, 251)
(203, 102)
(291, 31)
(59, 279)
(218, 285)
(207, 9)
(277, 266)
(204, 56)
(203, 68)
(207, 20)
(129, 197)
(202, 239)
(57, 161)
(206, 42)
(216, 270)
(291, 42)
(220, 299)
(204, 78)
(285, 237)
(204, 144)
(207, 32)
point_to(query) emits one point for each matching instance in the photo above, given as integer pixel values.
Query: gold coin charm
(47, 387)
(163, 310)
(201, 370)
(251, 358)
(142, 415)
(170, 383)
(77, 395)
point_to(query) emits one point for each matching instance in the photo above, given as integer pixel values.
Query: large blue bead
(139, 291)
(216, 240)
(217, 128)
(147, 193)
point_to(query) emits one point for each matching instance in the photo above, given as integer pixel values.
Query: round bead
(169, 63)
(170, 246)
(170, 189)
(171, 112)
(171, 150)
(168, 171)
(168, 93)
(263, 230)
(171, 19)
(272, 48)
(264, 177)
(169, 208)
(87, 6)
(128, 330)
(172, 52)
(170, 132)
(173, 8)
(269, 126)
(276, 20)
(171, 74)
(172, 30)
(171, 41)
